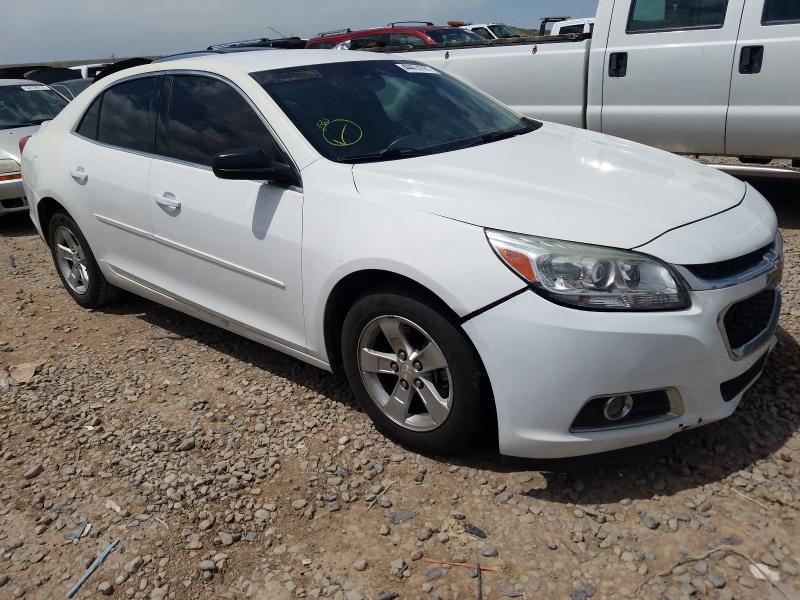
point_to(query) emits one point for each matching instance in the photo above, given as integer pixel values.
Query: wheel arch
(360, 283)
(45, 209)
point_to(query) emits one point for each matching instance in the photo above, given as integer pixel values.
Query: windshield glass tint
(450, 36)
(24, 105)
(503, 31)
(363, 110)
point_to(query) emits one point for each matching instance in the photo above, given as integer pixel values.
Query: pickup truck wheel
(76, 265)
(414, 372)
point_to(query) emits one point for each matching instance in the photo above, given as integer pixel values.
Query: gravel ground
(227, 470)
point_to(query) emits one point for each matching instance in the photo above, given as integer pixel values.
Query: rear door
(667, 72)
(107, 164)
(230, 248)
(764, 115)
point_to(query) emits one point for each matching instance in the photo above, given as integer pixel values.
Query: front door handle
(167, 200)
(618, 64)
(751, 60)
(79, 175)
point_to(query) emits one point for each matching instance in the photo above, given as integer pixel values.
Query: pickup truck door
(667, 72)
(764, 115)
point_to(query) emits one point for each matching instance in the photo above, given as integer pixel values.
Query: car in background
(400, 33)
(90, 70)
(24, 105)
(490, 31)
(71, 88)
(573, 26)
(289, 43)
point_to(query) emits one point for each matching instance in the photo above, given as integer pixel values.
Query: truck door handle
(618, 64)
(751, 59)
(79, 175)
(167, 200)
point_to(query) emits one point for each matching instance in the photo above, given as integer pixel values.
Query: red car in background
(400, 33)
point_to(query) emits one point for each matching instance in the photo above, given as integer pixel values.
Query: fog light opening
(618, 407)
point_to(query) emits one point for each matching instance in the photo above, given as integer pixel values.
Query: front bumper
(545, 362)
(12, 197)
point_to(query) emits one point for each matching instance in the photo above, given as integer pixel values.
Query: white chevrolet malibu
(470, 270)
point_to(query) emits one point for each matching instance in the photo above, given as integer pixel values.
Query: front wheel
(76, 265)
(414, 372)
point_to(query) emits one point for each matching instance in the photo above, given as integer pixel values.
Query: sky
(50, 30)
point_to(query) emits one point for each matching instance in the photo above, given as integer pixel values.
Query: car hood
(9, 139)
(557, 182)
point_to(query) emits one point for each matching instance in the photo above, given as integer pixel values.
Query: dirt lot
(227, 470)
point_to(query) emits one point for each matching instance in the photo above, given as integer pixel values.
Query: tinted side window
(781, 11)
(126, 115)
(670, 15)
(88, 126)
(405, 39)
(207, 116)
(571, 29)
(483, 32)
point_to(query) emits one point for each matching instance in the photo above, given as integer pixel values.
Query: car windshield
(25, 105)
(503, 31)
(374, 110)
(453, 35)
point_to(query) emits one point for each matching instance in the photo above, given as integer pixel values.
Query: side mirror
(251, 164)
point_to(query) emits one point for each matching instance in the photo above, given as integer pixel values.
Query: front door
(668, 70)
(230, 248)
(764, 116)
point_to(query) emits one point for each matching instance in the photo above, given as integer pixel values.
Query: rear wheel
(414, 372)
(76, 265)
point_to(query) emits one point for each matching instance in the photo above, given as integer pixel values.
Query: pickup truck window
(649, 16)
(374, 110)
(779, 12)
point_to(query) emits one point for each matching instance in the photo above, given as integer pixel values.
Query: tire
(82, 278)
(461, 383)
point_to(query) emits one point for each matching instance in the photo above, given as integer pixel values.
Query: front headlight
(590, 277)
(9, 169)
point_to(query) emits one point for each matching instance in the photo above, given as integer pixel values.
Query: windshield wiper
(389, 154)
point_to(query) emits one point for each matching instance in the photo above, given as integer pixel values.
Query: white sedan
(473, 272)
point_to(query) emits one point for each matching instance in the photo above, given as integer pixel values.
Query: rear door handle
(80, 175)
(618, 64)
(751, 60)
(167, 200)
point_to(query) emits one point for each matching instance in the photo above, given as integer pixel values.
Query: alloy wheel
(405, 373)
(71, 260)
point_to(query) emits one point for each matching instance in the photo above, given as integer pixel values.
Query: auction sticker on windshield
(34, 88)
(414, 68)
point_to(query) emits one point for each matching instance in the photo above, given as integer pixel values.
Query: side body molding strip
(192, 252)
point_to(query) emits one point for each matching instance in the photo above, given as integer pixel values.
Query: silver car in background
(24, 106)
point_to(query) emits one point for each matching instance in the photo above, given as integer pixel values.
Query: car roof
(252, 62)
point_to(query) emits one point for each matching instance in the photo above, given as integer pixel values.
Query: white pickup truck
(714, 77)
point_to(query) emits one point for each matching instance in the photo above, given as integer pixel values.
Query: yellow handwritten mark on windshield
(340, 132)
